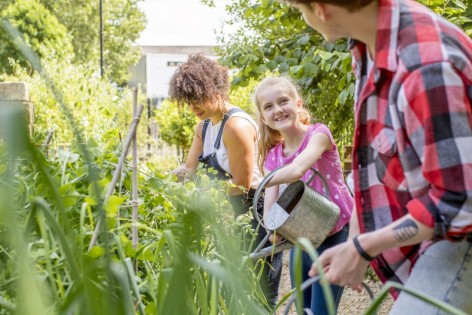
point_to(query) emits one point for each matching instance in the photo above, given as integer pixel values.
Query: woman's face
(279, 107)
(207, 109)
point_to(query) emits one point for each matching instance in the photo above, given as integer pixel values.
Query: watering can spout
(271, 250)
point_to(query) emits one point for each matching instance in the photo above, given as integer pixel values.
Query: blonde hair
(268, 137)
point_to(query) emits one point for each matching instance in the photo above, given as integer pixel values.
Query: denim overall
(210, 160)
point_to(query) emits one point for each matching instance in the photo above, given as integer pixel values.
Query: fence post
(15, 96)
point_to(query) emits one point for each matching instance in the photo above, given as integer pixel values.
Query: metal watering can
(299, 211)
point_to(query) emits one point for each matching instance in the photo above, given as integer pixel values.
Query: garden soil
(352, 302)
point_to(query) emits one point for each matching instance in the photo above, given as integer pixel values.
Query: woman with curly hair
(225, 140)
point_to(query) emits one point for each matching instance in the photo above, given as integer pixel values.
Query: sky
(181, 22)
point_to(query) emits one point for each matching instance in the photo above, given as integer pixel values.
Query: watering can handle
(323, 180)
(258, 192)
(269, 177)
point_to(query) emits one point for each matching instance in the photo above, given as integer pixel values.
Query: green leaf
(271, 65)
(91, 201)
(261, 69)
(292, 61)
(324, 54)
(343, 97)
(279, 59)
(243, 59)
(283, 67)
(113, 205)
(346, 65)
(236, 80)
(310, 68)
(96, 251)
(70, 195)
(460, 4)
(304, 39)
(296, 69)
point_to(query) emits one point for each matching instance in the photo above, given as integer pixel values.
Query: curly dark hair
(197, 80)
(350, 5)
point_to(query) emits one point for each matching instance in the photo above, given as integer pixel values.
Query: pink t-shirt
(329, 165)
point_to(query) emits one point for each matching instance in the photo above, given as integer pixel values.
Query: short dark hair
(350, 5)
(197, 80)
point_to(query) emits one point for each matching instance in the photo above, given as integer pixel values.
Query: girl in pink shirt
(288, 138)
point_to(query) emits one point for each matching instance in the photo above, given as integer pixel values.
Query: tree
(123, 22)
(176, 126)
(41, 30)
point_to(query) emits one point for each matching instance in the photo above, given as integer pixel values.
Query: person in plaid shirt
(412, 155)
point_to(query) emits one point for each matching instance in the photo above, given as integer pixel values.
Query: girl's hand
(275, 238)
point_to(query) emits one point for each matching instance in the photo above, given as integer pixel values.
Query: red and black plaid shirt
(413, 132)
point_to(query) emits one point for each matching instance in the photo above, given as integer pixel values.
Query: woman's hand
(342, 265)
(181, 172)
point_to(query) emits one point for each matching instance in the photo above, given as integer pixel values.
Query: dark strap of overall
(206, 123)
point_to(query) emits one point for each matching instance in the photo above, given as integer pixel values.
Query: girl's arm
(270, 196)
(239, 137)
(195, 151)
(319, 142)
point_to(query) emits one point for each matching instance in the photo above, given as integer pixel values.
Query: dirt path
(352, 302)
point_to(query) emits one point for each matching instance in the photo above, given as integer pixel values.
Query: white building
(153, 72)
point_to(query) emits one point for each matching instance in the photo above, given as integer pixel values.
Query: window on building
(174, 63)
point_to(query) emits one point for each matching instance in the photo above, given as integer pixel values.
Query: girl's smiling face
(279, 106)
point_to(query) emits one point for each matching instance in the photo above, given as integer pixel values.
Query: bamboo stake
(134, 191)
(46, 143)
(117, 173)
(48, 138)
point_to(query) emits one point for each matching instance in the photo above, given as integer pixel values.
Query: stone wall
(14, 98)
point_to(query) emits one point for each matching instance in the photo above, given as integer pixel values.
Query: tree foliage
(123, 22)
(41, 30)
(176, 125)
(458, 12)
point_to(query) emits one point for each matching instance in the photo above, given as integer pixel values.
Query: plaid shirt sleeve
(435, 119)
